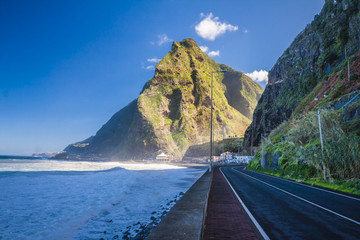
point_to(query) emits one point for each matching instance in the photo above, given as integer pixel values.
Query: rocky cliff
(172, 112)
(316, 54)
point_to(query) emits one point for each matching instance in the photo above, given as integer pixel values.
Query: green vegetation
(302, 158)
(176, 101)
(351, 186)
(312, 74)
(172, 112)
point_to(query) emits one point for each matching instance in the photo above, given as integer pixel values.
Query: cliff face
(172, 112)
(313, 56)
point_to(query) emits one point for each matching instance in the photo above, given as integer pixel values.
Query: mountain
(312, 72)
(172, 112)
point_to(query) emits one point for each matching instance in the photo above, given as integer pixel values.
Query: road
(290, 210)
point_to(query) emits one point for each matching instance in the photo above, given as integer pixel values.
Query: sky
(67, 66)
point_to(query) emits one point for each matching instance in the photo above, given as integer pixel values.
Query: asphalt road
(290, 210)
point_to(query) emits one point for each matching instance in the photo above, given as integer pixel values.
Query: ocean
(52, 199)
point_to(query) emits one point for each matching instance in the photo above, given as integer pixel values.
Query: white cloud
(153, 60)
(205, 49)
(214, 53)
(150, 67)
(163, 38)
(245, 31)
(259, 76)
(210, 27)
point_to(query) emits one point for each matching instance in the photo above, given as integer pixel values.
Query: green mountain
(312, 72)
(172, 113)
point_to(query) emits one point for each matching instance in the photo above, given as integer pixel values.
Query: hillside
(308, 68)
(172, 111)
(309, 113)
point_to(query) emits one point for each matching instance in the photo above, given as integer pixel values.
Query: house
(226, 156)
(164, 157)
(243, 159)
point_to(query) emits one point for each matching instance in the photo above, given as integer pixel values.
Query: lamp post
(211, 120)
(223, 132)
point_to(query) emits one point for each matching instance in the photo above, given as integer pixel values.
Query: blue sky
(67, 66)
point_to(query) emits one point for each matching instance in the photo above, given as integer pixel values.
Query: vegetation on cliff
(314, 74)
(316, 54)
(294, 150)
(172, 112)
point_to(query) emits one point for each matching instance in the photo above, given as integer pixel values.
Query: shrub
(301, 150)
(354, 77)
(276, 134)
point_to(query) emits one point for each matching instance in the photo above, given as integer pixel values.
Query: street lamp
(211, 120)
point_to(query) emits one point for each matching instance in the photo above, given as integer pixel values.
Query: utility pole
(348, 63)
(213, 148)
(322, 145)
(211, 120)
(252, 136)
(348, 70)
(211, 124)
(262, 152)
(223, 142)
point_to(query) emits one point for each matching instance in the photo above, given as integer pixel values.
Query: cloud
(205, 49)
(153, 60)
(245, 31)
(150, 67)
(163, 38)
(210, 27)
(259, 76)
(214, 53)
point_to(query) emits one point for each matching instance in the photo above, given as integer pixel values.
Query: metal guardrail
(350, 101)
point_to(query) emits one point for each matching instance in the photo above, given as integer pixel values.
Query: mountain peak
(172, 113)
(187, 43)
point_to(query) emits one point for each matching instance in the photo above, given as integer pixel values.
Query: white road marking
(257, 225)
(326, 209)
(305, 185)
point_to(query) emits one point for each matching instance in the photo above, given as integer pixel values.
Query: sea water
(48, 199)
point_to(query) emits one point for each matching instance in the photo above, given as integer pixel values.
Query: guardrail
(231, 162)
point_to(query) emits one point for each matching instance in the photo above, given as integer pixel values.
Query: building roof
(162, 155)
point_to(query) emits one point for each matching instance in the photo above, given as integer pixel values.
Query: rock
(172, 113)
(271, 160)
(316, 51)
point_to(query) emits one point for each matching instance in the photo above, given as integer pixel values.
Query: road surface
(290, 210)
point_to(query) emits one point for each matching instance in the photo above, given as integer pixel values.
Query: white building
(243, 159)
(226, 156)
(163, 157)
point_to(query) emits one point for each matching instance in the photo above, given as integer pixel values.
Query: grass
(351, 186)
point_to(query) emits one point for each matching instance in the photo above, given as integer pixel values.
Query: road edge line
(257, 225)
(308, 185)
(303, 199)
